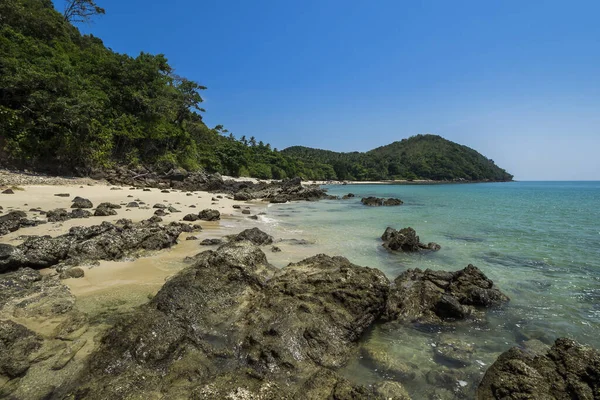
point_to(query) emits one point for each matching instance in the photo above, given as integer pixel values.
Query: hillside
(69, 104)
(418, 157)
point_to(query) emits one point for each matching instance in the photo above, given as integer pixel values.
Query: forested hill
(418, 157)
(69, 104)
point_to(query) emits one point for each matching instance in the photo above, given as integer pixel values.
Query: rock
(98, 242)
(79, 213)
(348, 196)
(231, 325)
(381, 360)
(159, 206)
(391, 390)
(453, 352)
(132, 204)
(405, 239)
(14, 221)
(439, 296)
(568, 370)
(8, 191)
(191, 217)
(160, 212)
(17, 343)
(245, 211)
(63, 195)
(209, 215)
(104, 212)
(376, 201)
(243, 195)
(109, 205)
(211, 242)
(254, 217)
(275, 249)
(67, 354)
(237, 206)
(191, 238)
(79, 202)
(172, 209)
(75, 272)
(255, 236)
(165, 191)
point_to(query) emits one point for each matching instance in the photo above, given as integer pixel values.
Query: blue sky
(518, 81)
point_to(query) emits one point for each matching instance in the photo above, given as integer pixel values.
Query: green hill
(69, 104)
(418, 157)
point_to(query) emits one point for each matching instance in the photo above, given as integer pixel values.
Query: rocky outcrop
(568, 370)
(275, 192)
(98, 242)
(79, 202)
(405, 239)
(255, 236)
(377, 202)
(16, 345)
(435, 297)
(232, 326)
(14, 221)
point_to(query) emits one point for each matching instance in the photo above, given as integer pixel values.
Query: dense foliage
(418, 157)
(68, 103)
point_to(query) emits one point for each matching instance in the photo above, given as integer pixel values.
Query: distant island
(69, 104)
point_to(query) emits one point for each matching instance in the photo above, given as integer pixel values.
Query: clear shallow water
(538, 241)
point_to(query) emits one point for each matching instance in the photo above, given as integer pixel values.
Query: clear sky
(518, 81)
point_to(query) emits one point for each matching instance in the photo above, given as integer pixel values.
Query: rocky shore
(224, 322)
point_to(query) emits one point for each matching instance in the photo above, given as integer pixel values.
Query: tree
(81, 10)
(252, 141)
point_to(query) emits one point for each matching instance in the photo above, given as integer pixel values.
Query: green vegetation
(70, 104)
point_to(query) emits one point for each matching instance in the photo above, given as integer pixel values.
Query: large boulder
(209, 215)
(377, 201)
(81, 244)
(232, 326)
(255, 236)
(16, 345)
(79, 202)
(405, 239)
(568, 370)
(440, 296)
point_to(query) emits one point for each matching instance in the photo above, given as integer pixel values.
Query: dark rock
(243, 195)
(160, 212)
(245, 211)
(80, 213)
(75, 272)
(165, 191)
(8, 191)
(79, 202)
(159, 206)
(376, 201)
(348, 196)
(14, 221)
(454, 353)
(255, 236)
(109, 205)
(437, 296)
(233, 326)
(191, 238)
(104, 212)
(132, 204)
(155, 219)
(405, 239)
(254, 217)
(211, 242)
(568, 370)
(191, 217)
(237, 206)
(17, 343)
(275, 249)
(209, 215)
(98, 242)
(172, 209)
(63, 195)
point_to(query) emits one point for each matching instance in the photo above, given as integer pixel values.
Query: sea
(538, 241)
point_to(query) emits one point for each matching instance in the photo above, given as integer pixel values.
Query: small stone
(191, 238)
(75, 272)
(160, 206)
(245, 211)
(62, 195)
(275, 249)
(133, 204)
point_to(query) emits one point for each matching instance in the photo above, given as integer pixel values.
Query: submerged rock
(405, 239)
(568, 370)
(232, 325)
(377, 201)
(16, 345)
(436, 296)
(98, 242)
(211, 242)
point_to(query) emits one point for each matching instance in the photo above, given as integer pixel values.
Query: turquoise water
(538, 241)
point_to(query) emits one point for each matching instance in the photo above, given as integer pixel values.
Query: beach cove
(553, 293)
